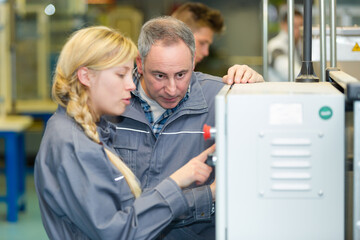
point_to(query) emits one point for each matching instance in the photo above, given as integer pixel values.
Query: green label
(325, 112)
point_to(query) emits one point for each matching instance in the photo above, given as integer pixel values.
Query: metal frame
(5, 57)
(42, 45)
(221, 189)
(356, 169)
(351, 87)
(290, 10)
(291, 39)
(322, 40)
(265, 38)
(42, 50)
(15, 173)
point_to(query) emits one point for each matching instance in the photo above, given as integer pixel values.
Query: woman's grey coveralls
(83, 196)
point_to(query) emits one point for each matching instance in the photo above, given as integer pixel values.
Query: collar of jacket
(104, 127)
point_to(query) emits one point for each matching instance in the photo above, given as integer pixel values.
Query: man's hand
(242, 74)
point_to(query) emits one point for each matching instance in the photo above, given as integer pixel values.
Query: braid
(79, 110)
(128, 174)
(60, 88)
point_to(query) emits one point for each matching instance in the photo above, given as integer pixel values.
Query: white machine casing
(280, 161)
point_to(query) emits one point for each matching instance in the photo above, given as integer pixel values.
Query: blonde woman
(85, 191)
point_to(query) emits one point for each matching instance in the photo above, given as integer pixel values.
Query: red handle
(206, 130)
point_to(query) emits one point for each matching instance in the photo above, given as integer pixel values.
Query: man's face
(298, 23)
(166, 73)
(203, 39)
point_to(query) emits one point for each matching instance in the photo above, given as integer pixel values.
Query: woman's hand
(196, 170)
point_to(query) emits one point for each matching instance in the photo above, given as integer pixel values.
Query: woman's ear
(83, 76)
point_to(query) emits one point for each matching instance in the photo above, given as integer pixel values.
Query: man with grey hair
(162, 127)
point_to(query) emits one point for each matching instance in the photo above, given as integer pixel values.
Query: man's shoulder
(207, 79)
(279, 41)
(208, 84)
(204, 76)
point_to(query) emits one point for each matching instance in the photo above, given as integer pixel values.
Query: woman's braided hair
(96, 48)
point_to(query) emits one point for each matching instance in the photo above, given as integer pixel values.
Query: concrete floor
(29, 225)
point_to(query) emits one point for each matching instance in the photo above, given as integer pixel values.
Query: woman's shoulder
(66, 139)
(61, 126)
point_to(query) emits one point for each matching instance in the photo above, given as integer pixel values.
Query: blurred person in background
(204, 22)
(278, 49)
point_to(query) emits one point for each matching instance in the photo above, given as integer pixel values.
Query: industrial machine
(281, 162)
(280, 167)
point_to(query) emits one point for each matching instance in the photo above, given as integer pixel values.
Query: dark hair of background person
(197, 15)
(284, 17)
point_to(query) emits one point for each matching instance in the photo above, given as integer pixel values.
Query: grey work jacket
(181, 138)
(83, 196)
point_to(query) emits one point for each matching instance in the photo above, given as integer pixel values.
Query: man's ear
(83, 76)
(139, 65)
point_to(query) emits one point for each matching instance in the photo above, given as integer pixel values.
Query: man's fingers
(231, 71)
(242, 74)
(247, 74)
(225, 79)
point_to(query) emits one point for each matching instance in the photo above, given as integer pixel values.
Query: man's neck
(156, 109)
